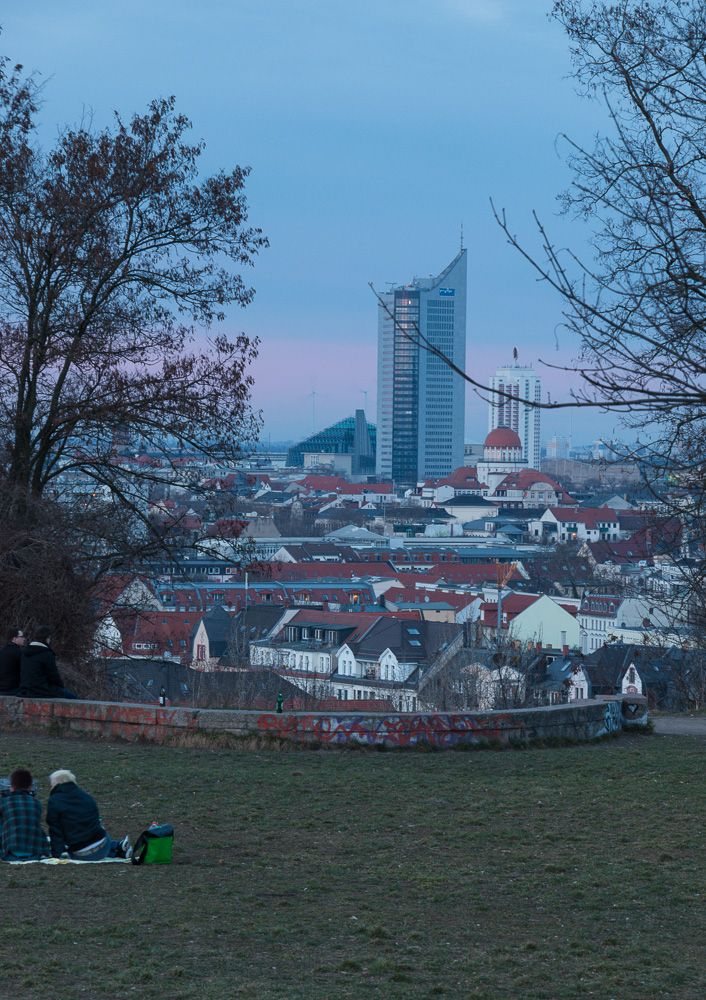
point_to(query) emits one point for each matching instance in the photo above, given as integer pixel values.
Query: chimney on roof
(565, 650)
(539, 647)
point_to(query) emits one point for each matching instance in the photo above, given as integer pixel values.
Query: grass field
(557, 873)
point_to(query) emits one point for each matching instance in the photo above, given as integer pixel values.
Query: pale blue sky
(373, 129)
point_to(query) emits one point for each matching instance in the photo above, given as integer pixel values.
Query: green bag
(154, 846)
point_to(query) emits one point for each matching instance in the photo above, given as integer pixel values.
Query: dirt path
(680, 725)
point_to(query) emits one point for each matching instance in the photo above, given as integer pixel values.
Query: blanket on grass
(70, 861)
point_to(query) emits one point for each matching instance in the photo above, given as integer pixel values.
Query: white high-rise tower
(520, 383)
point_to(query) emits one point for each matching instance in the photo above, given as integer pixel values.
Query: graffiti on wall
(613, 721)
(397, 730)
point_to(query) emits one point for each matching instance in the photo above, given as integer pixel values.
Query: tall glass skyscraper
(421, 400)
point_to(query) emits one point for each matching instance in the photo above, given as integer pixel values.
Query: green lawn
(557, 873)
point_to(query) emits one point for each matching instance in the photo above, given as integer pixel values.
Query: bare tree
(637, 303)
(114, 255)
(480, 680)
(116, 260)
(639, 306)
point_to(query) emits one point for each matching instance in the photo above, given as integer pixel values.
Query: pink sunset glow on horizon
(287, 370)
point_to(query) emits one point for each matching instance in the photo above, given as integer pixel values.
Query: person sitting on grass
(74, 823)
(21, 833)
(39, 676)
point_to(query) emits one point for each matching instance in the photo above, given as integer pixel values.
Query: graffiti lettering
(396, 730)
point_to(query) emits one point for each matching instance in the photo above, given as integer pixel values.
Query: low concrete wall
(584, 720)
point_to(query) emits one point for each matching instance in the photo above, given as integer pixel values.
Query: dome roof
(503, 437)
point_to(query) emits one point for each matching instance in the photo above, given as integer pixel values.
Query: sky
(375, 130)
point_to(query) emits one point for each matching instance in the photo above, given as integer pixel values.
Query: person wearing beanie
(39, 676)
(75, 825)
(21, 834)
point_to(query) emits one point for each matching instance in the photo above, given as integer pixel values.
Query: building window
(200, 652)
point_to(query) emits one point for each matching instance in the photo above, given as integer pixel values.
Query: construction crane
(501, 568)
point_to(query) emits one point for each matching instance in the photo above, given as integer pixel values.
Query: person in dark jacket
(39, 676)
(20, 821)
(10, 662)
(75, 825)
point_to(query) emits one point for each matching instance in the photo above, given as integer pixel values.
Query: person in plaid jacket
(21, 834)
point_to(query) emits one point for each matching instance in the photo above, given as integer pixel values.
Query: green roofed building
(346, 447)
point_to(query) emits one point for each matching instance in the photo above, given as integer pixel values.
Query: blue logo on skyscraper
(446, 291)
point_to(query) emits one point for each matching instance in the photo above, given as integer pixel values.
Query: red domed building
(502, 455)
(502, 445)
(502, 478)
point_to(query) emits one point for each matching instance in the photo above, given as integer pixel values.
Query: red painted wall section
(112, 720)
(580, 721)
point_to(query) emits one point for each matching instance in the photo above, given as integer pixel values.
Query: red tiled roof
(336, 485)
(463, 477)
(155, 629)
(474, 573)
(417, 595)
(513, 605)
(603, 605)
(415, 574)
(361, 620)
(324, 570)
(227, 527)
(628, 552)
(526, 479)
(586, 515)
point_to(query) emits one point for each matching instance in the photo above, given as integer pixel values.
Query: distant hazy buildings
(558, 447)
(347, 447)
(518, 383)
(420, 399)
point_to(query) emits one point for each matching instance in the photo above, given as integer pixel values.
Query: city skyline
(335, 170)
